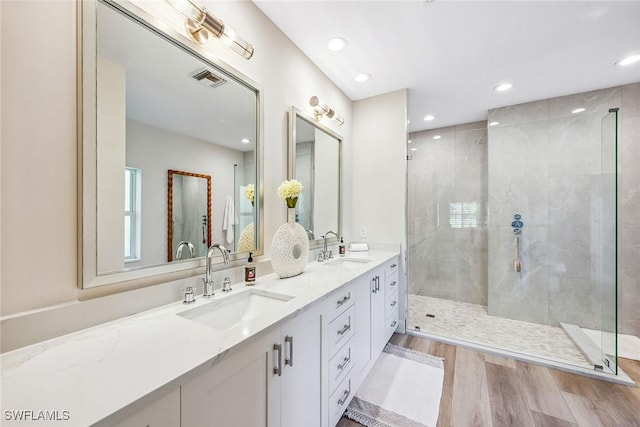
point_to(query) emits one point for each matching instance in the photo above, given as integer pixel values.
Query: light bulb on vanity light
(200, 24)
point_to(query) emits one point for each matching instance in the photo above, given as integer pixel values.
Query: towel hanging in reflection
(229, 219)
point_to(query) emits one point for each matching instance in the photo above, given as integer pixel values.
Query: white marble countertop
(96, 372)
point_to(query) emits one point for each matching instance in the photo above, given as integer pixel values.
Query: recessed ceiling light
(362, 77)
(428, 118)
(414, 149)
(631, 59)
(245, 140)
(494, 123)
(336, 44)
(503, 87)
(437, 137)
(578, 110)
(409, 141)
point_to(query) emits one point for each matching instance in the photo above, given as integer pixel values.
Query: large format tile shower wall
(543, 162)
(447, 219)
(546, 164)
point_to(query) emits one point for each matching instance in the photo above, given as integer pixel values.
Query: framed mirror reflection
(183, 127)
(315, 161)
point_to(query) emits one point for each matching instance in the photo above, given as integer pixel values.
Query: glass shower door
(608, 270)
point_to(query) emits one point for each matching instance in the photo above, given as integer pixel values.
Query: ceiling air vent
(207, 78)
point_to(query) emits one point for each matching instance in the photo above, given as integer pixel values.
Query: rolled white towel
(358, 247)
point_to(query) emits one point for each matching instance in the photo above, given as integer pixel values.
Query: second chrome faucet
(326, 254)
(208, 275)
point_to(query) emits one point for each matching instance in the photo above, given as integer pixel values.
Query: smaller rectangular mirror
(315, 161)
(189, 219)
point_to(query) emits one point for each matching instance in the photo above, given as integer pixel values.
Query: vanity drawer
(392, 322)
(392, 302)
(340, 399)
(392, 267)
(339, 301)
(340, 365)
(341, 330)
(392, 283)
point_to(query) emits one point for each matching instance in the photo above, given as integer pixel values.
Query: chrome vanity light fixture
(200, 24)
(321, 109)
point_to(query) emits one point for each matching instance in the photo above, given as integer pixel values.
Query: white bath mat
(403, 389)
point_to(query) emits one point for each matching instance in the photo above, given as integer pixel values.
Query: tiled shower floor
(470, 322)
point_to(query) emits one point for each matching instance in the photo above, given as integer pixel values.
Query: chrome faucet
(208, 276)
(181, 246)
(326, 254)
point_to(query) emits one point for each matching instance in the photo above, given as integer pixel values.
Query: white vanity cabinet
(272, 381)
(164, 412)
(237, 389)
(339, 326)
(392, 301)
(377, 319)
(300, 380)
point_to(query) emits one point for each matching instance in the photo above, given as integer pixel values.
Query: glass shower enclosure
(512, 232)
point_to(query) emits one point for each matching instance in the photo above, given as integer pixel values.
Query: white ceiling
(451, 54)
(161, 92)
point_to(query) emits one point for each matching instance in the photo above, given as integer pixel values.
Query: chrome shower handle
(518, 265)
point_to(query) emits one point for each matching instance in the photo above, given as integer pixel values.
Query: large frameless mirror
(153, 103)
(315, 161)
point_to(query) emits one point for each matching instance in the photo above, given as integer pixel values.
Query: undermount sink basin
(234, 309)
(347, 261)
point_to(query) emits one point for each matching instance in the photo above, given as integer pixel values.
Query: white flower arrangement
(250, 193)
(290, 189)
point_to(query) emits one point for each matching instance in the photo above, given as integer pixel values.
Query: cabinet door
(237, 390)
(378, 310)
(164, 412)
(300, 384)
(362, 339)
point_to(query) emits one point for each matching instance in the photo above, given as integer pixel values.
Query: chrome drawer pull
(393, 304)
(277, 363)
(345, 362)
(346, 328)
(289, 361)
(344, 299)
(393, 324)
(344, 396)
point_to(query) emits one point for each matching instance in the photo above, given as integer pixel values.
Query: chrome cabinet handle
(378, 283)
(345, 328)
(393, 304)
(289, 361)
(344, 396)
(344, 299)
(393, 324)
(373, 282)
(345, 361)
(277, 363)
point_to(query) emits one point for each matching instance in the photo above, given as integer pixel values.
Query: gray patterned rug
(403, 389)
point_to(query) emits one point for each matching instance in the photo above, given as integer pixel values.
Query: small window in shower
(465, 215)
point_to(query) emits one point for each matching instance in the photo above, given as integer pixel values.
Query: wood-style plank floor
(486, 390)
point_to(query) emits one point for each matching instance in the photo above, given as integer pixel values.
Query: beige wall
(39, 171)
(38, 155)
(379, 168)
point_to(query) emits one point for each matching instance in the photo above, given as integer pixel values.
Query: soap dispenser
(341, 248)
(250, 271)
